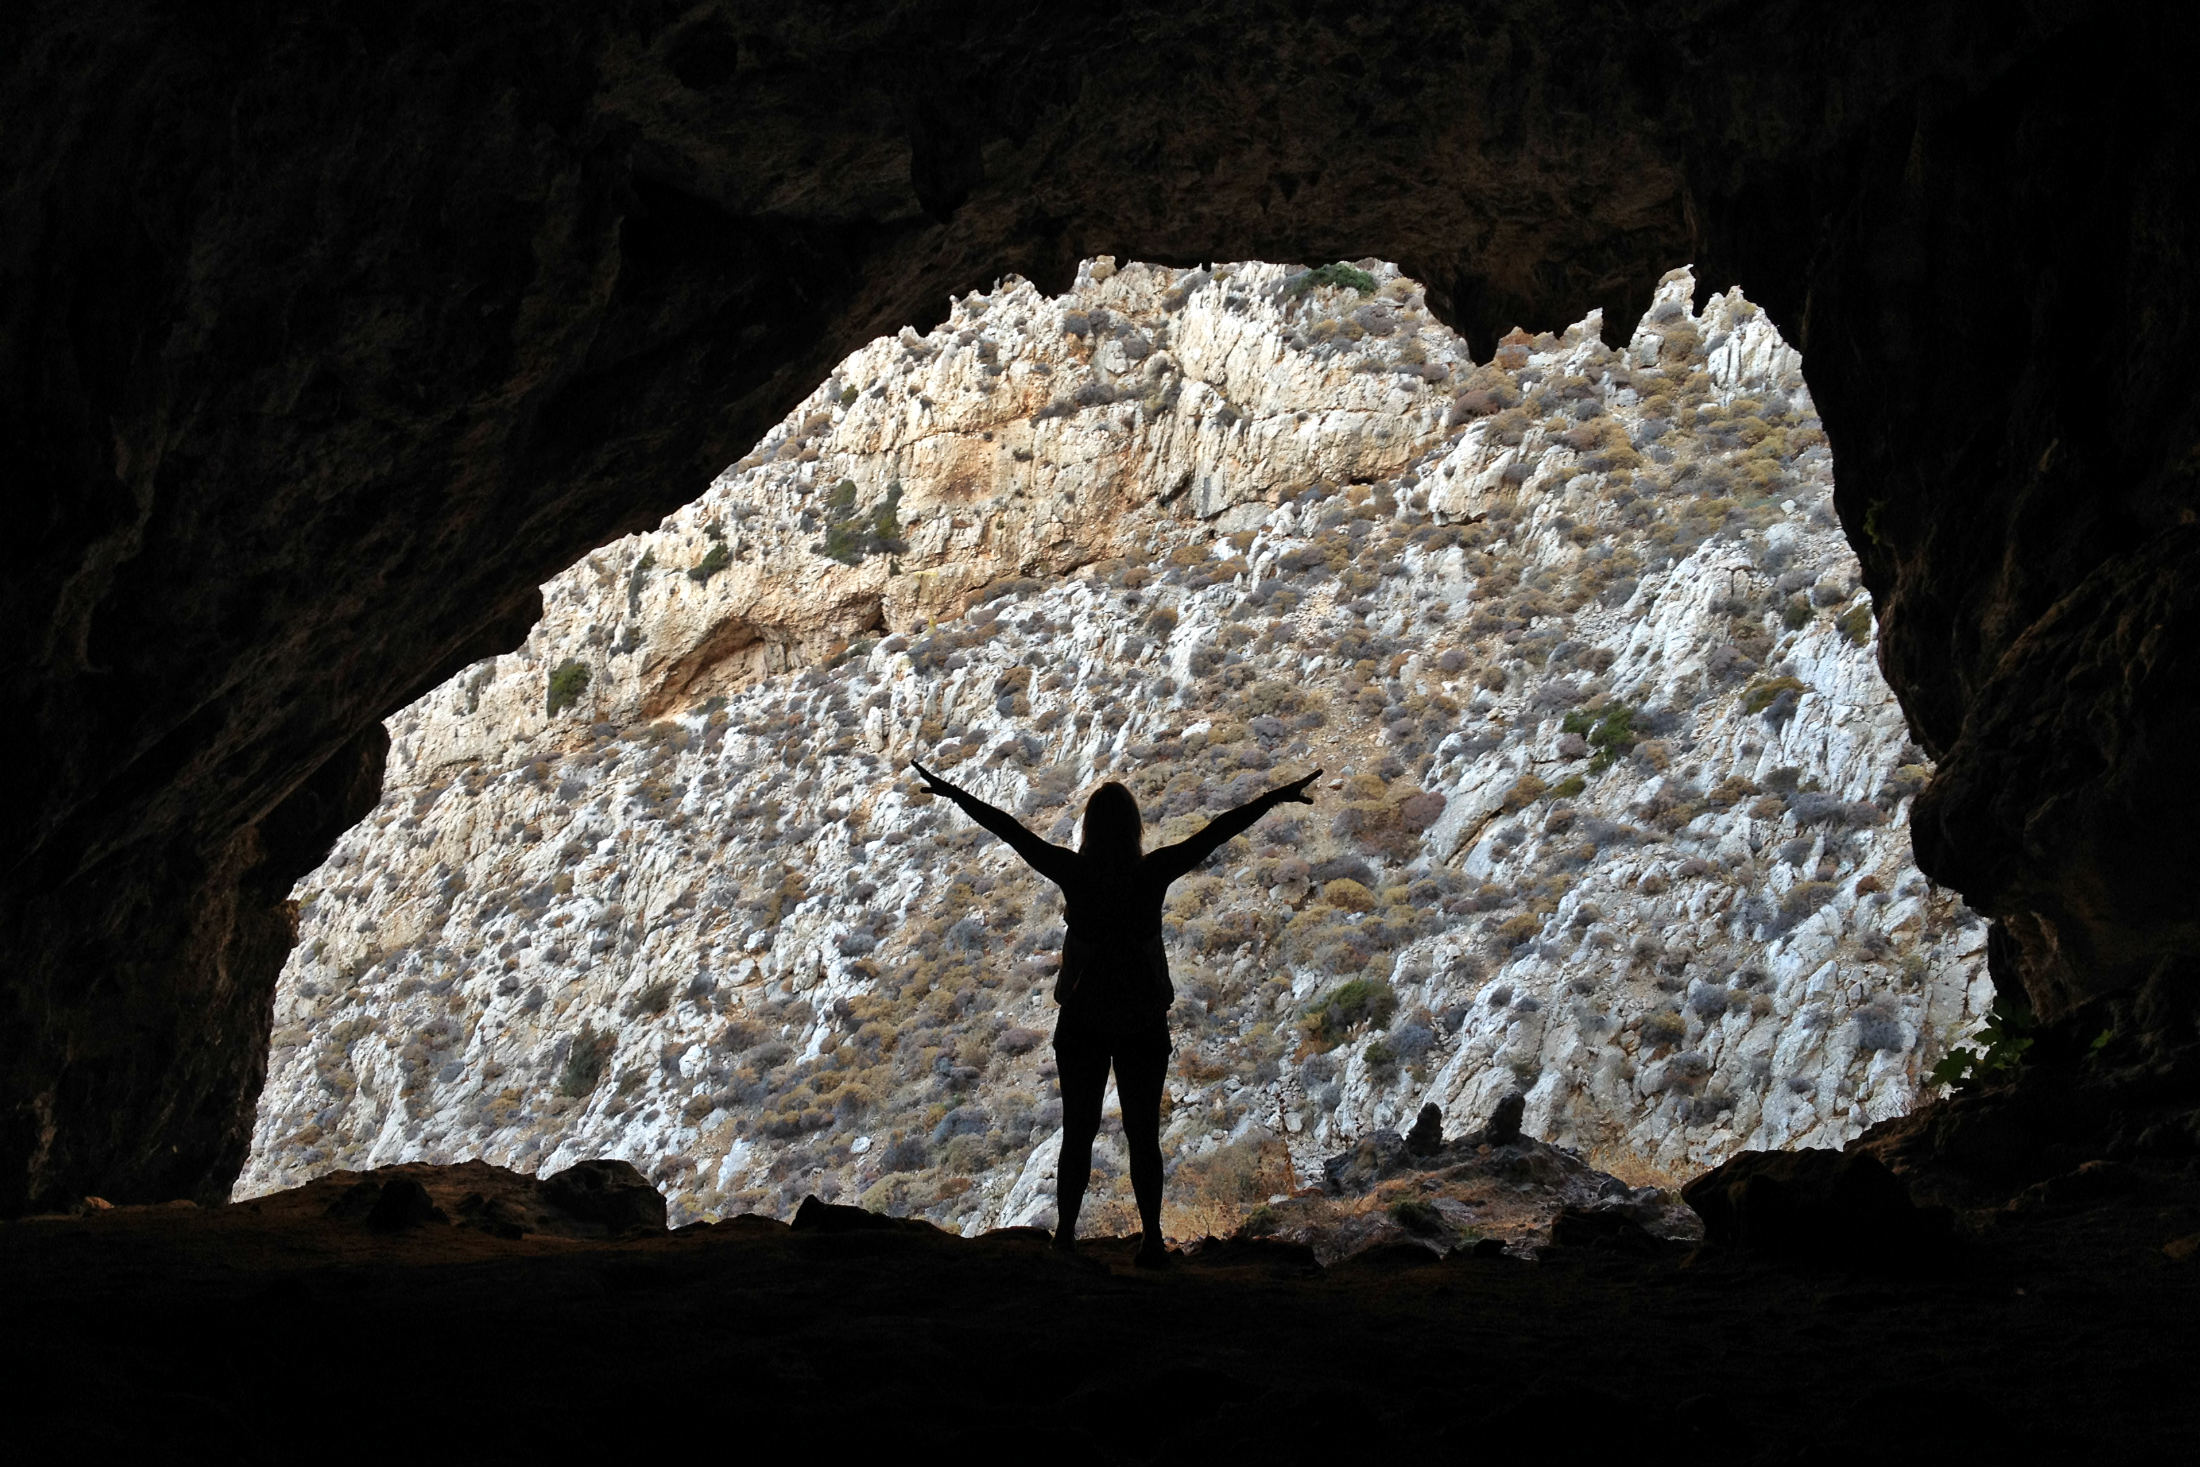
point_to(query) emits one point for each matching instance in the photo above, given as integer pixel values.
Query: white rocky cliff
(1614, 811)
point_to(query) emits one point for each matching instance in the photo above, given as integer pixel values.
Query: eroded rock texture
(1616, 809)
(329, 336)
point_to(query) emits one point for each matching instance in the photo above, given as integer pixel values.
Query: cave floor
(267, 1331)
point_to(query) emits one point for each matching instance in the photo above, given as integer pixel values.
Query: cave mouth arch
(384, 377)
(653, 886)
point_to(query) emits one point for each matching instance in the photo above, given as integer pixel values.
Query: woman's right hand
(933, 783)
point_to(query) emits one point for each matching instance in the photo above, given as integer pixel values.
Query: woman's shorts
(1084, 1036)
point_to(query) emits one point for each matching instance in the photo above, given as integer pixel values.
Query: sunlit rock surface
(1614, 811)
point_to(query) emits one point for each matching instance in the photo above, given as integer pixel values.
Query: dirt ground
(277, 1329)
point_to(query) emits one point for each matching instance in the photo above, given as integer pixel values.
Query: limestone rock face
(1613, 812)
(1024, 438)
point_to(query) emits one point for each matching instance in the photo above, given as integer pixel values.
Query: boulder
(1504, 1124)
(1822, 1206)
(1377, 1155)
(816, 1215)
(403, 1203)
(1427, 1136)
(609, 1193)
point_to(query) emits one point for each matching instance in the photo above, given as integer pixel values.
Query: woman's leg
(1084, 1081)
(1140, 1071)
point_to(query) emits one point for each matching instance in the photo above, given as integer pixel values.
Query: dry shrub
(1349, 896)
(1636, 1170)
(1525, 791)
(1194, 1066)
(1730, 791)
(1187, 1219)
(1244, 1172)
(1515, 930)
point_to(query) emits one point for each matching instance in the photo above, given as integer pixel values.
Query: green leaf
(1955, 1067)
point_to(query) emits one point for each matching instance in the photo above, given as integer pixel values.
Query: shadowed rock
(591, 1199)
(1467, 1192)
(1821, 1205)
(403, 1203)
(818, 1216)
(1427, 1136)
(1504, 1124)
(1601, 1228)
(611, 1193)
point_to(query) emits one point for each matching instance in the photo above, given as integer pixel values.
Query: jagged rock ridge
(1614, 811)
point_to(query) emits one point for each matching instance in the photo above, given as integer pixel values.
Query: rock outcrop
(1614, 813)
(590, 1199)
(1486, 1191)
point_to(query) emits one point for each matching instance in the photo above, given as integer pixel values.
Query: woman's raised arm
(1185, 855)
(1048, 859)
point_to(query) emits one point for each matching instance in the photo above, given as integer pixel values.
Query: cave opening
(333, 335)
(1613, 818)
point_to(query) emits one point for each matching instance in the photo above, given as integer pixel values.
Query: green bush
(584, 1062)
(711, 564)
(654, 999)
(886, 518)
(1353, 1003)
(1796, 614)
(852, 533)
(1856, 623)
(567, 683)
(1339, 275)
(1760, 694)
(2002, 1044)
(1610, 731)
(1567, 788)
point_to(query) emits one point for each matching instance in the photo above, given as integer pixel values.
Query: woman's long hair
(1113, 829)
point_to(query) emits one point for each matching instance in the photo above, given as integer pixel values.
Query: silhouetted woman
(1114, 987)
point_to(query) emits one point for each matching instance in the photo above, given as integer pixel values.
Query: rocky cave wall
(329, 336)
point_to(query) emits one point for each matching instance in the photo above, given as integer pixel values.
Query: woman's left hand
(1295, 793)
